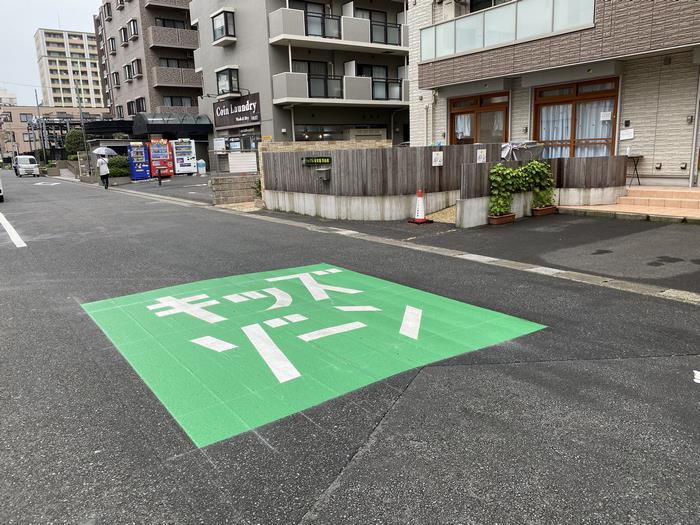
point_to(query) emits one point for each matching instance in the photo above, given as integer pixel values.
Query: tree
(74, 142)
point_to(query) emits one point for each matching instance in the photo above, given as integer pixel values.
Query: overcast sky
(19, 21)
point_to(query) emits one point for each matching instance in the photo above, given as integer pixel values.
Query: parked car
(26, 165)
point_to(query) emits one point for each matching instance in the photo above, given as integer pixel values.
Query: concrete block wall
(658, 95)
(520, 113)
(233, 189)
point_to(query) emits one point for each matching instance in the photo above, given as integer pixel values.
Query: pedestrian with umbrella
(103, 165)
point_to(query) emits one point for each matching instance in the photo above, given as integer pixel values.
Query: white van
(25, 165)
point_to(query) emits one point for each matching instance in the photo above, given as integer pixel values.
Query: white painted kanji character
(317, 290)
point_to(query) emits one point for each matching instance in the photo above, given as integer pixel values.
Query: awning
(108, 127)
(177, 124)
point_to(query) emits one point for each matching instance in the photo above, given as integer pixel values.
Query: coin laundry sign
(240, 111)
(228, 355)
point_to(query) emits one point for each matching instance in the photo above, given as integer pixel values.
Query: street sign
(317, 161)
(229, 355)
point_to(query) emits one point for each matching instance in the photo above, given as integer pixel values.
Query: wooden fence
(584, 172)
(374, 172)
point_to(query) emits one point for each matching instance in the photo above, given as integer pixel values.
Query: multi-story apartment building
(68, 68)
(7, 98)
(301, 70)
(585, 77)
(146, 57)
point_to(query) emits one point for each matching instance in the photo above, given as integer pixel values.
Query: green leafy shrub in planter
(72, 157)
(119, 166)
(502, 181)
(537, 176)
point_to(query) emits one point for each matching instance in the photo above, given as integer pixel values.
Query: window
(141, 105)
(128, 73)
(120, 4)
(177, 101)
(131, 108)
(183, 63)
(227, 81)
(137, 68)
(478, 5)
(223, 25)
(169, 22)
(381, 32)
(133, 26)
(479, 119)
(112, 46)
(124, 35)
(120, 111)
(107, 9)
(577, 120)
(25, 117)
(115, 79)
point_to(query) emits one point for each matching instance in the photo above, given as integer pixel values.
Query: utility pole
(41, 128)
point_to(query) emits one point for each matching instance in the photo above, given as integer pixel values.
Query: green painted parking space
(227, 355)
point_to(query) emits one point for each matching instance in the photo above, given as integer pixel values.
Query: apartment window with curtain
(577, 119)
(141, 105)
(112, 45)
(137, 67)
(124, 35)
(227, 81)
(177, 101)
(223, 25)
(479, 119)
(115, 79)
(128, 73)
(131, 108)
(120, 111)
(133, 27)
(171, 23)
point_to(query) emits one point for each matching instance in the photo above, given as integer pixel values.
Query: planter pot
(502, 219)
(546, 210)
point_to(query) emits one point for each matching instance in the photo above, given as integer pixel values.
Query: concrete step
(651, 192)
(659, 202)
(231, 200)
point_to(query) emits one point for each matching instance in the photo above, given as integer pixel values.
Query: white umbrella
(105, 151)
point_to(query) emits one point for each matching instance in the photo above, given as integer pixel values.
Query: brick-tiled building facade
(146, 50)
(586, 77)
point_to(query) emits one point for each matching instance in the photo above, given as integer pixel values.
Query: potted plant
(539, 178)
(501, 180)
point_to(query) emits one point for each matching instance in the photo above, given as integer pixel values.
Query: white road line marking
(186, 306)
(282, 298)
(696, 376)
(334, 270)
(410, 326)
(320, 272)
(295, 318)
(333, 330)
(477, 258)
(276, 323)
(544, 270)
(212, 343)
(279, 365)
(14, 236)
(358, 308)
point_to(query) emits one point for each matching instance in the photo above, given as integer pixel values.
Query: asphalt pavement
(592, 419)
(194, 188)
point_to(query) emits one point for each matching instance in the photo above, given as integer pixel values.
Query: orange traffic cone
(420, 210)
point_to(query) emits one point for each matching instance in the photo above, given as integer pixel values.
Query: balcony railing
(175, 77)
(387, 89)
(504, 25)
(325, 86)
(287, 24)
(171, 37)
(172, 4)
(326, 26)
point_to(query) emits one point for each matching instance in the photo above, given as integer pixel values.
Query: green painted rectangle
(247, 350)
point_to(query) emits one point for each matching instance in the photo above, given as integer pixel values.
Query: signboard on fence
(317, 161)
(438, 159)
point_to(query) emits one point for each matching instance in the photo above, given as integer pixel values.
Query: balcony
(172, 4)
(322, 31)
(504, 25)
(173, 38)
(176, 77)
(181, 110)
(328, 90)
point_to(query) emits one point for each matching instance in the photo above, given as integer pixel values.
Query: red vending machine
(161, 158)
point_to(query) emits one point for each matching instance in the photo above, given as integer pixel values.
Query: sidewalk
(653, 253)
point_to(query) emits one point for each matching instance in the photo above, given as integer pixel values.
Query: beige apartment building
(7, 98)
(146, 53)
(68, 68)
(585, 77)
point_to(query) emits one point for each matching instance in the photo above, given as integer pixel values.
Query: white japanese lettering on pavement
(332, 330)
(279, 365)
(316, 289)
(212, 343)
(185, 306)
(410, 326)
